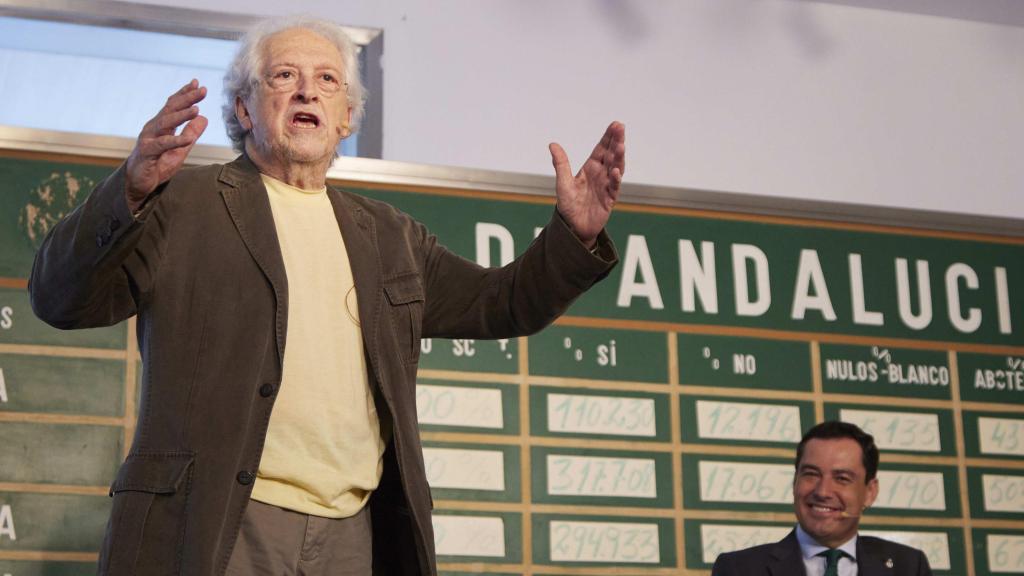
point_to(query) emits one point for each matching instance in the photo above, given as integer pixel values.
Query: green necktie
(832, 556)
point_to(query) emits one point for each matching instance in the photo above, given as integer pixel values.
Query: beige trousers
(278, 542)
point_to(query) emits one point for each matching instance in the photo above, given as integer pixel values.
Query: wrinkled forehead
(300, 47)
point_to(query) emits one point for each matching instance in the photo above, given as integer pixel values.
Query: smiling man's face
(830, 492)
(299, 112)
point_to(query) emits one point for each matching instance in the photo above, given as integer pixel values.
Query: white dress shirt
(815, 565)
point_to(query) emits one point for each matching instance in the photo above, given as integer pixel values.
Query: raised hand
(586, 200)
(159, 152)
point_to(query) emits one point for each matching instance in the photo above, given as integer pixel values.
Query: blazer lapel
(249, 207)
(360, 236)
(786, 558)
(871, 561)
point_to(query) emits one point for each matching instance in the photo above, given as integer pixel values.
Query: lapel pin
(888, 563)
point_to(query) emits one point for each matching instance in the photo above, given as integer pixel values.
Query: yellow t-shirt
(323, 453)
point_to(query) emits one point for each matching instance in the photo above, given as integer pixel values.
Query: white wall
(823, 100)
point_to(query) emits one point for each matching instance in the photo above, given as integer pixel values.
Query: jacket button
(267, 390)
(245, 477)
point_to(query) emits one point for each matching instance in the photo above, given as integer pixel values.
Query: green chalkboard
(459, 406)
(477, 536)
(742, 484)
(998, 552)
(63, 385)
(600, 354)
(919, 490)
(710, 538)
(43, 568)
(996, 493)
(726, 422)
(992, 377)
(54, 522)
(500, 356)
(36, 195)
(19, 325)
(885, 371)
(75, 454)
(901, 430)
(601, 477)
(599, 414)
(744, 362)
(477, 472)
(994, 435)
(696, 364)
(576, 540)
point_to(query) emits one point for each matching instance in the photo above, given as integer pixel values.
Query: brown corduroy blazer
(201, 268)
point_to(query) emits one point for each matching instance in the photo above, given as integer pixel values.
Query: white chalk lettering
(918, 374)
(923, 318)
(861, 315)
(850, 371)
(810, 277)
(999, 380)
(638, 259)
(485, 232)
(741, 254)
(464, 348)
(1003, 300)
(697, 276)
(954, 274)
(7, 522)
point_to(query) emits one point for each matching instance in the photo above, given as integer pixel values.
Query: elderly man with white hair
(279, 322)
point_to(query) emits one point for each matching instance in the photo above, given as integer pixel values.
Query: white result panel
(469, 536)
(744, 421)
(459, 406)
(586, 414)
(908, 431)
(911, 490)
(935, 545)
(626, 542)
(465, 469)
(718, 539)
(1001, 436)
(1003, 493)
(601, 476)
(746, 482)
(1005, 553)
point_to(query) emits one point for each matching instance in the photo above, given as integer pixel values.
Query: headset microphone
(846, 514)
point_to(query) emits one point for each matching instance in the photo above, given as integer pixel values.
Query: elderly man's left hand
(586, 200)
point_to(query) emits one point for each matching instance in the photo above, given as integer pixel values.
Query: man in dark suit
(836, 468)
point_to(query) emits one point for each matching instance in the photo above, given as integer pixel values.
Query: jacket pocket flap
(404, 290)
(153, 472)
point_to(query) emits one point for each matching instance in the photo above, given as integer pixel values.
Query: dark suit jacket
(202, 269)
(783, 558)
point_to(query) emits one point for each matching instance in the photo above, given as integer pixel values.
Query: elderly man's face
(830, 492)
(299, 112)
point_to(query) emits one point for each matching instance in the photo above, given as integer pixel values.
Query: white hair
(245, 72)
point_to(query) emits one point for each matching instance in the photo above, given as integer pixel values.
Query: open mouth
(305, 120)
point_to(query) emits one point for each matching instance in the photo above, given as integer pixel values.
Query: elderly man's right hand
(159, 152)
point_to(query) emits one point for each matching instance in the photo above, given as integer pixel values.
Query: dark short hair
(834, 429)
